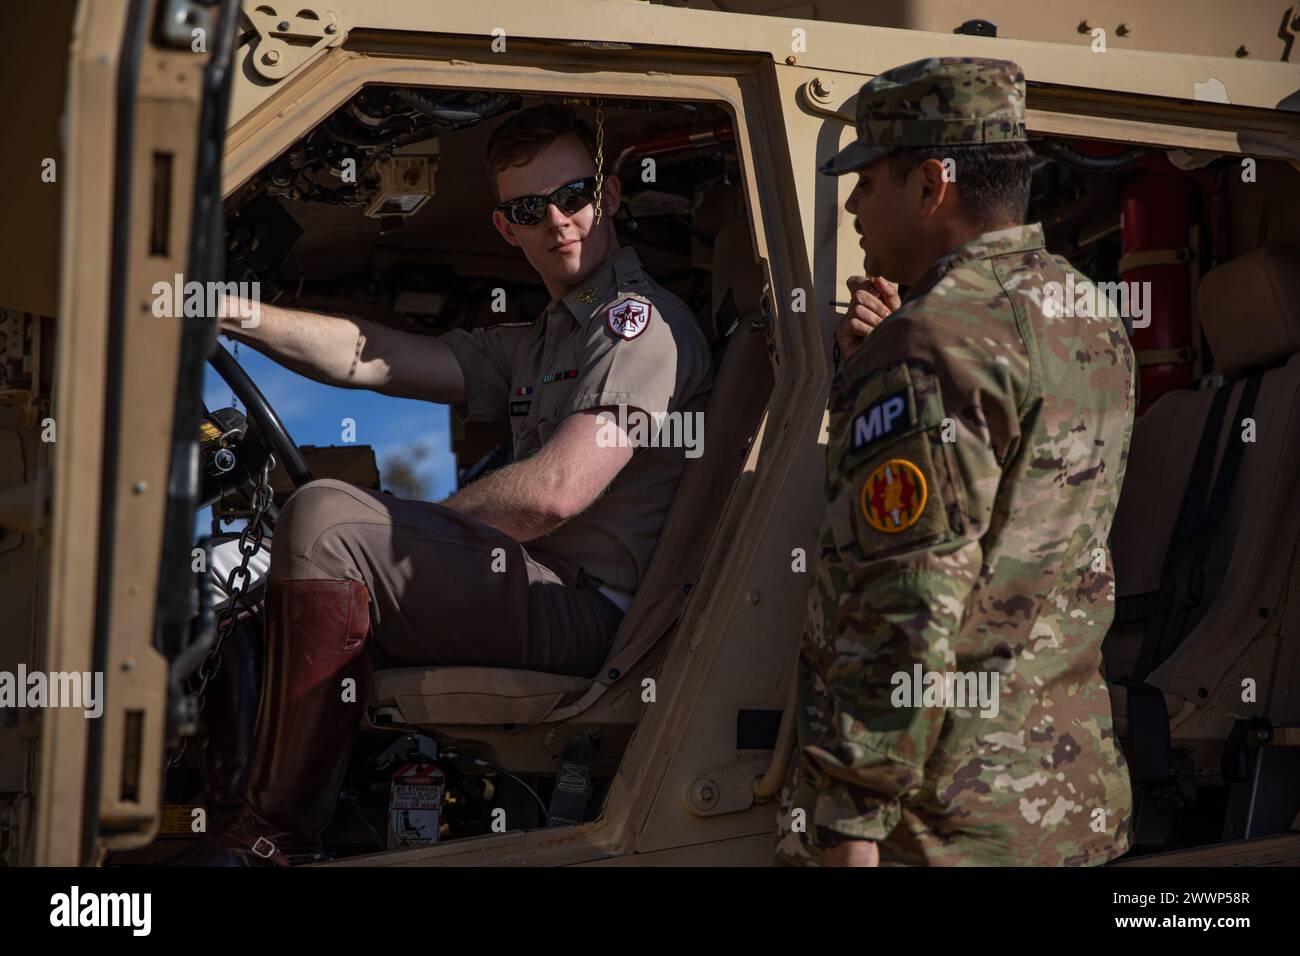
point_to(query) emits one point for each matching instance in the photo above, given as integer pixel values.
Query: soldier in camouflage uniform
(976, 450)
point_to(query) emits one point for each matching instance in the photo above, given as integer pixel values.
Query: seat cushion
(1250, 309)
(1247, 568)
(424, 696)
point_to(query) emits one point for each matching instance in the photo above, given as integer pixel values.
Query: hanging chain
(251, 540)
(234, 399)
(600, 157)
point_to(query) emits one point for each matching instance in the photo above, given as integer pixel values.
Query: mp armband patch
(884, 417)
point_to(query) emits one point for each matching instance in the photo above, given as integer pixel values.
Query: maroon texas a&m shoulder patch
(629, 318)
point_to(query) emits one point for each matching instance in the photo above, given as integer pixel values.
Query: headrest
(734, 268)
(1250, 309)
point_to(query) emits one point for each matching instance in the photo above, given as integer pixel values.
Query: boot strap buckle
(266, 853)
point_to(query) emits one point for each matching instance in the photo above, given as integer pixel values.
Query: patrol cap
(953, 100)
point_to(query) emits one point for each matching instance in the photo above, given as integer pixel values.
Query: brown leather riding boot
(315, 640)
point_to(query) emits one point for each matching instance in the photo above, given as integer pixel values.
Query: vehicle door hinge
(727, 789)
(763, 321)
(285, 41)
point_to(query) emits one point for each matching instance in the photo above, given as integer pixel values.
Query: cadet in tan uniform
(531, 566)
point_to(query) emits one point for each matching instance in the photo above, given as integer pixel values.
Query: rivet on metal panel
(178, 19)
(702, 794)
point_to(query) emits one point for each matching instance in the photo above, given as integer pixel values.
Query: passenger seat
(1229, 676)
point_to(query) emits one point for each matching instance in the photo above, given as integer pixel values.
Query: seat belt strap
(573, 785)
(1135, 607)
(1189, 511)
(1171, 777)
(1193, 590)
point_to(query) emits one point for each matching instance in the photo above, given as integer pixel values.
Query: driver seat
(517, 718)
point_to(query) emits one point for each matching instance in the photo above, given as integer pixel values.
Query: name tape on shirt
(520, 407)
(628, 319)
(879, 420)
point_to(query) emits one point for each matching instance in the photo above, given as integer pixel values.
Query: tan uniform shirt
(617, 339)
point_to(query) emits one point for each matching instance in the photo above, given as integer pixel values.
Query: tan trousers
(444, 587)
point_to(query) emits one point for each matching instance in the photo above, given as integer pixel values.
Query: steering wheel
(260, 411)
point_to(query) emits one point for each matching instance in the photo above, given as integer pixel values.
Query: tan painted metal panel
(166, 122)
(1201, 27)
(79, 383)
(860, 50)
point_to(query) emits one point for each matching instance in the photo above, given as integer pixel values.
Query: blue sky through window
(314, 413)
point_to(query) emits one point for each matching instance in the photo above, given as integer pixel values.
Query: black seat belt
(573, 784)
(1170, 777)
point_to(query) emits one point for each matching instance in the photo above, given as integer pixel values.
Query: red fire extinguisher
(1157, 213)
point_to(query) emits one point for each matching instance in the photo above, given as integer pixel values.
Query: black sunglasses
(569, 198)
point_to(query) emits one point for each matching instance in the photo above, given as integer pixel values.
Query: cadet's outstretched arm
(568, 473)
(352, 353)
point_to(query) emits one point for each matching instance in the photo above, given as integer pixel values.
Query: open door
(139, 173)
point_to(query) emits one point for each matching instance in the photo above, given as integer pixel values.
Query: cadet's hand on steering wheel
(871, 299)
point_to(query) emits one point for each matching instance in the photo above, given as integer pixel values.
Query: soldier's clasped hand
(871, 299)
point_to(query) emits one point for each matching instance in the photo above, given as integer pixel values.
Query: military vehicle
(333, 152)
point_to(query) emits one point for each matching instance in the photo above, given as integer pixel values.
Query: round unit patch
(629, 318)
(893, 496)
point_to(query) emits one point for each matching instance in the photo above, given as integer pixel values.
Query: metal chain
(600, 156)
(234, 399)
(251, 540)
